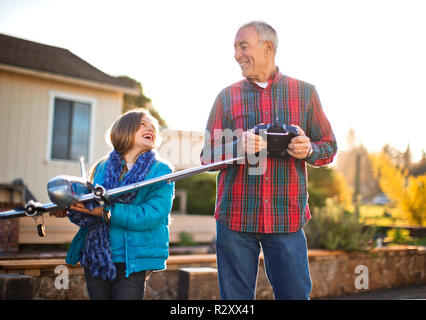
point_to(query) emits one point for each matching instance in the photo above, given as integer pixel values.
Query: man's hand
(253, 143)
(300, 146)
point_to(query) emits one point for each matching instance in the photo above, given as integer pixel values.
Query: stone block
(16, 287)
(9, 231)
(198, 284)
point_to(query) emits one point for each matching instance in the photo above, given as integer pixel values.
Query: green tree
(325, 183)
(140, 101)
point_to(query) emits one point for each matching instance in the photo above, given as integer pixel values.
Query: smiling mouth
(148, 136)
(242, 64)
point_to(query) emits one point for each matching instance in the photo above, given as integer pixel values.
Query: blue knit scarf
(97, 255)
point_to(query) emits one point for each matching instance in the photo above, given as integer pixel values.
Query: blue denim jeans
(285, 258)
(121, 288)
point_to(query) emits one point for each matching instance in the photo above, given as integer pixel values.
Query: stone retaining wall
(333, 273)
(338, 273)
(9, 231)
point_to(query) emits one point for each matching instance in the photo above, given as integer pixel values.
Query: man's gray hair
(265, 32)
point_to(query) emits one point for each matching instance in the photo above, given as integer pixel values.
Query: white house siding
(24, 126)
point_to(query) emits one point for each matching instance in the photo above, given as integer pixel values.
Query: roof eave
(68, 79)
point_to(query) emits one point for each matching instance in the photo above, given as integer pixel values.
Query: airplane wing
(174, 176)
(33, 209)
(30, 210)
(15, 213)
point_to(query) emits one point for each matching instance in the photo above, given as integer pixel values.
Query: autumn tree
(346, 165)
(408, 191)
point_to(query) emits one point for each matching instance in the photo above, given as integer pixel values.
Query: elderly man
(267, 210)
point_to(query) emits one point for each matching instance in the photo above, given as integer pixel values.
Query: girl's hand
(58, 213)
(81, 208)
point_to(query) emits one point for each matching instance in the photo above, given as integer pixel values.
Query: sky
(367, 59)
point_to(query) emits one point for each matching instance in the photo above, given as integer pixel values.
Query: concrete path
(407, 293)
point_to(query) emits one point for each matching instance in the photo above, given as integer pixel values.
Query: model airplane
(65, 191)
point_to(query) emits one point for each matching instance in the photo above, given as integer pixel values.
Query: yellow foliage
(414, 201)
(391, 180)
(408, 192)
(344, 195)
(401, 236)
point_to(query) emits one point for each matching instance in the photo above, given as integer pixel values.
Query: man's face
(250, 53)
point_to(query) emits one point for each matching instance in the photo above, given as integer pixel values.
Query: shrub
(186, 239)
(333, 228)
(399, 236)
(201, 193)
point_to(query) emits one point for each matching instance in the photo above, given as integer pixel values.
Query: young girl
(118, 244)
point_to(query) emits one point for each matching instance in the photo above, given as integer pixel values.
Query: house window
(71, 130)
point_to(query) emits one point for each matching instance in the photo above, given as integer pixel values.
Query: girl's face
(145, 137)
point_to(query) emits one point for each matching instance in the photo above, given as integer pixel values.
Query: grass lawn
(382, 215)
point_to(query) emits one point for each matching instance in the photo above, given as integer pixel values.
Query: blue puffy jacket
(140, 230)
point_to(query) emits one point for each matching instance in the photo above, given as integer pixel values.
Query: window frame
(92, 101)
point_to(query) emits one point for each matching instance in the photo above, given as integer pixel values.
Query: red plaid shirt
(277, 200)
